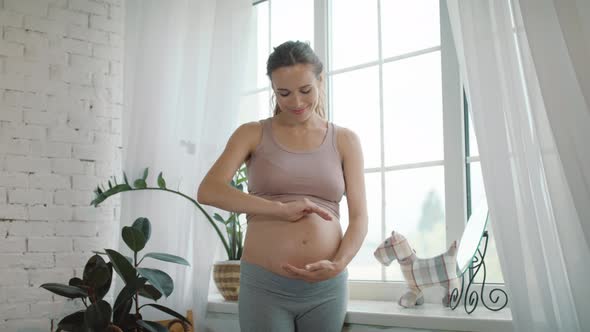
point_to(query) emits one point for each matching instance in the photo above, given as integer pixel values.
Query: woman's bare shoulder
(346, 140)
(249, 133)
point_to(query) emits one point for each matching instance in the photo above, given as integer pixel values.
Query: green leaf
(150, 292)
(152, 326)
(145, 174)
(71, 292)
(96, 272)
(159, 279)
(104, 289)
(143, 225)
(73, 322)
(76, 282)
(161, 181)
(140, 184)
(169, 312)
(219, 218)
(99, 199)
(125, 178)
(128, 291)
(167, 258)
(124, 269)
(133, 238)
(117, 189)
(98, 315)
(123, 304)
(110, 185)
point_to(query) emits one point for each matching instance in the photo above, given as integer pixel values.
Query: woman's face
(296, 90)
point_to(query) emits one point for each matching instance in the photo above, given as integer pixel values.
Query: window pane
(415, 207)
(364, 266)
(355, 100)
(409, 26)
(291, 20)
(413, 110)
(254, 107)
(262, 44)
(354, 33)
(473, 148)
(493, 270)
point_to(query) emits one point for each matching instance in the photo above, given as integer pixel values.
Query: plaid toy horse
(420, 273)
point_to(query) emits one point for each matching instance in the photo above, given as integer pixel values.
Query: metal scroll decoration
(496, 299)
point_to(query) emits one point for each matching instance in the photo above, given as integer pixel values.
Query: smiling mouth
(299, 111)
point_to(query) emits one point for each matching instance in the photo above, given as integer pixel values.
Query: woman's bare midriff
(271, 243)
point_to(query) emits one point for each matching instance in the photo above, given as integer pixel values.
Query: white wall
(60, 135)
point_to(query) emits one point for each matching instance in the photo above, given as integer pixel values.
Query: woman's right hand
(295, 210)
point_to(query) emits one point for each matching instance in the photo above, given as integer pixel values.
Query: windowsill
(388, 313)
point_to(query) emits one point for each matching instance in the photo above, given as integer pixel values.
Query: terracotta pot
(113, 328)
(226, 275)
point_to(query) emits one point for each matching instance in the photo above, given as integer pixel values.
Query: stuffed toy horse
(420, 273)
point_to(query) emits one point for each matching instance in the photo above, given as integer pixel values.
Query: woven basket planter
(226, 275)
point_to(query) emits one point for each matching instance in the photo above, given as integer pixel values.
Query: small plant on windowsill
(96, 280)
(225, 272)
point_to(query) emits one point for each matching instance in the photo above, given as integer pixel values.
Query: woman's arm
(354, 176)
(353, 165)
(215, 189)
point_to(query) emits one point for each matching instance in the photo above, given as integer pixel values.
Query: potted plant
(96, 280)
(226, 273)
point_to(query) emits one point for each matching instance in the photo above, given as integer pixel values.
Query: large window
(385, 82)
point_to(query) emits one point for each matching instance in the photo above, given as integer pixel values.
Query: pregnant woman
(293, 270)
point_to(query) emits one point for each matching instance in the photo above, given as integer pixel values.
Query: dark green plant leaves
(77, 282)
(127, 324)
(140, 184)
(167, 258)
(161, 181)
(152, 326)
(133, 238)
(98, 315)
(143, 225)
(104, 289)
(124, 269)
(159, 279)
(101, 196)
(125, 178)
(99, 199)
(169, 312)
(219, 218)
(96, 272)
(71, 292)
(145, 174)
(150, 292)
(73, 322)
(123, 304)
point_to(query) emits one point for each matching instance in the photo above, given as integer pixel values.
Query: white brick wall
(60, 136)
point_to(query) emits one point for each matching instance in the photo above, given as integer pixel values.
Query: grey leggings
(269, 302)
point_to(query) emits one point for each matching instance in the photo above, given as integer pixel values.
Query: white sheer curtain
(526, 68)
(184, 72)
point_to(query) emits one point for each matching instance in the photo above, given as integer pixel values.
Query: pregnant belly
(271, 243)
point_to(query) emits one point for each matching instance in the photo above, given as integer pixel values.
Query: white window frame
(453, 128)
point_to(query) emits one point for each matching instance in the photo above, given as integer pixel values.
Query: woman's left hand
(314, 272)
